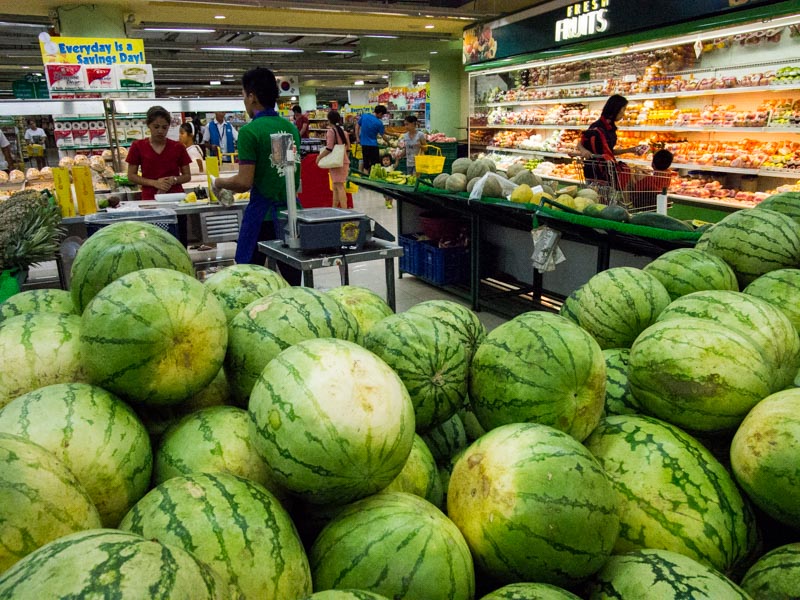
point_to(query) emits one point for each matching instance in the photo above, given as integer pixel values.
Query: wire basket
(430, 164)
(162, 218)
(619, 184)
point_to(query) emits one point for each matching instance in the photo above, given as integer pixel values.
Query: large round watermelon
(686, 270)
(430, 360)
(397, 545)
(120, 249)
(533, 505)
(616, 305)
(332, 421)
(539, 367)
(154, 336)
(95, 434)
(673, 494)
(765, 456)
(238, 285)
(106, 563)
(346, 595)
(269, 325)
(780, 288)
(530, 591)
(459, 318)
(420, 475)
(233, 525)
(35, 301)
(446, 439)
(754, 241)
(39, 349)
(619, 398)
(40, 500)
(660, 575)
(775, 575)
(698, 374)
(786, 203)
(365, 305)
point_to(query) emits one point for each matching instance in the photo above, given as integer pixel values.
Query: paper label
(84, 190)
(63, 191)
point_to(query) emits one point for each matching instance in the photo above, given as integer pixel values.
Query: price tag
(84, 190)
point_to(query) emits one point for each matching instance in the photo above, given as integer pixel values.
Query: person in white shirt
(220, 136)
(195, 153)
(6, 160)
(36, 135)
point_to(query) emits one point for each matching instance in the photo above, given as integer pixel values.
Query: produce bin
(164, 218)
(445, 266)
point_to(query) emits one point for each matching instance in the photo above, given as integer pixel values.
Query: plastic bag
(506, 185)
(546, 252)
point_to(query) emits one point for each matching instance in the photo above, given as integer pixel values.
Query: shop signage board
(26, 89)
(91, 50)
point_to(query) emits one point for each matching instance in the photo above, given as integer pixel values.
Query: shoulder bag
(334, 159)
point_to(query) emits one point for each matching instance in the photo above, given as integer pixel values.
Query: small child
(647, 187)
(386, 163)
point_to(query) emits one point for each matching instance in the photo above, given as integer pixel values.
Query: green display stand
(10, 283)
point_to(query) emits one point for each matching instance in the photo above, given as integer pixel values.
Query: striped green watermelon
(780, 288)
(698, 374)
(775, 575)
(35, 301)
(462, 320)
(420, 475)
(346, 595)
(472, 427)
(40, 500)
(365, 305)
(106, 563)
(95, 434)
(238, 285)
(533, 505)
(332, 421)
(754, 241)
(38, 349)
(154, 336)
(233, 525)
(686, 270)
(430, 360)
(530, 591)
(570, 306)
(271, 324)
(786, 203)
(765, 456)
(119, 249)
(397, 545)
(673, 494)
(660, 575)
(759, 321)
(616, 305)
(446, 439)
(619, 398)
(539, 367)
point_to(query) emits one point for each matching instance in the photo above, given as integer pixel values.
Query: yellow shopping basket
(35, 150)
(430, 164)
(355, 151)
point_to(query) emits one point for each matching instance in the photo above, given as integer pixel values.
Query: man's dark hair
(296, 109)
(380, 110)
(662, 160)
(261, 82)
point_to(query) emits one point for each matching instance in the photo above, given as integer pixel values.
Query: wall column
(401, 79)
(448, 80)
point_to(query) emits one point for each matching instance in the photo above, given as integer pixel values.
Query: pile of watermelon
(241, 438)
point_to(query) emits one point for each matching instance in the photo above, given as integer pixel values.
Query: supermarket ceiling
(327, 45)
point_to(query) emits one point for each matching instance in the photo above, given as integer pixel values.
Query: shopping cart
(617, 183)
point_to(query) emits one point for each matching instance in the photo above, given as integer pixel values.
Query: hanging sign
(91, 50)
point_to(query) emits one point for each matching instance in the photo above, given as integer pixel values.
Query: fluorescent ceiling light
(429, 26)
(220, 17)
(384, 60)
(306, 34)
(25, 67)
(358, 82)
(335, 52)
(178, 30)
(434, 52)
(381, 36)
(281, 50)
(384, 77)
(386, 14)
(214, 83)
(241, 49)
(13, 24)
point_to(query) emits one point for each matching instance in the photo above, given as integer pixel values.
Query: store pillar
(401, 79)
(448, 89)
(92, 20)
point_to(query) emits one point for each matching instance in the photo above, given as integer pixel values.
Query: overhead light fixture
(358, 82)
(429, 26)
(281, 50)
(179, 30)
(384, 60)
(293, 99)
(13, 24)
(214, 83)
(335, 51)
(225, 49)
(381, 36)
(384, 77)
(434, 52)
(220, 17)
(306, 34)
(25, 67)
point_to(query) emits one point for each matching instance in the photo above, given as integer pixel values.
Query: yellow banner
(63, 192)
(84, 190)
(91, 50)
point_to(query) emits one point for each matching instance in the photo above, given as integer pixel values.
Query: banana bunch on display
(395, 177)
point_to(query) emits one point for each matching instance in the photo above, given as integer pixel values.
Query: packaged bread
(16, 176)
(81, 161)
(32, 174)
(96, 163)
(107, 155)
(66, 162)
(46, 173)
(3, 177)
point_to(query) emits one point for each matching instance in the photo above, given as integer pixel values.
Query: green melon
(526, 496)
(446, 439)
(119, 249)
(365, 305)
(154, 336)
(775, 575)
(106, 563)
(461, 165)
(346, 595)
(464, 322)
(238, 285)
(332, 421)
(619, 398)
(430, 360)
(472, 427)
(40, 500)
(97, 436)
(786, 203)
(420, 475)
(271, 324)
(780, 288)
(35, 301)
(542, 368)
(765, 456)
(397, 545)
(38, 349)
(530, 591)
(686, 270)
(476, 169)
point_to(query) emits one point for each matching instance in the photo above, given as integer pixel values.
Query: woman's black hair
(261, 82)
(188, 128)
(335, 119)
(154, 112)
(411, 119)
(613, 105)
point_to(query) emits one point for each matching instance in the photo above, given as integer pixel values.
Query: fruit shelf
(704, 128)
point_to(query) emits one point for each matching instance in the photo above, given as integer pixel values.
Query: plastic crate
(164, 218)
(446, 266)
(10, 283)
(413, 260)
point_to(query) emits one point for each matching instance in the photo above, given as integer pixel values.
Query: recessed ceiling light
(177, 30)
(26, 67)
(384, 60)
(429, 26)
(293, 98)
(335, 51)
(214, 83)
(381, 36)
(384, 77)
(220, 17)
(358, 82)
(434, 52)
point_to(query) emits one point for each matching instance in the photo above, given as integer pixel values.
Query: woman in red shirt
(164, 163)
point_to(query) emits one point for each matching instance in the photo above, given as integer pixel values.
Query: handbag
(333, 160)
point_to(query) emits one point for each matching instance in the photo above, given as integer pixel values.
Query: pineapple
(29, 230)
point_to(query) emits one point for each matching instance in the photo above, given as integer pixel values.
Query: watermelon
(765, 456)
(775, 575)
(365, 305)
(462, 320)
(619, 398)
(530, 591)
(269, 325)
(539, 367)
(472, 427)
(786, 203)
(686, 270)
(119, 249)
(397, 545)
(332, 421)
(154, 336)
(780, 288)
(430, 360)
(233, 525)
(96, 435)
(762, 323)
(38, 349)
(106, 563)
(697, 374)
(446, 439)
(346, 595)
(754, 241)
(616, 305)
(36, 301)
(40, 500)
(660, 575)
(420, 475)
(238, 285)
(673, 494)
(216, 393)
(533, 505)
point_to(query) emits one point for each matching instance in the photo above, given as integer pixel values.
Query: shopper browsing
(187, 138)
(412, 143)
(220, 137)
(337, 135)
(300, 121)
(6, 161)
(368, 128)
(36, 135)
(388, 166)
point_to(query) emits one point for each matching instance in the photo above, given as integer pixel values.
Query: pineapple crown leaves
(30, 230)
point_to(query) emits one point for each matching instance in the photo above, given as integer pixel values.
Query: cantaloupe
(440, 181)
(492, 189)
(471, 184)
(477, 169)
(460, 165)
(512, 170)
(457, 182)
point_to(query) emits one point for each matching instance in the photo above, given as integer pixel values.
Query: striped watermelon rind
(420, 475)
(237, 286)
(780, 288)
(34, 301)
(233, 525)
(464, 322)
(446, 439)
(786, 203)
(774, 575)
(40, 500)
(346, 595)
(530, 591)
(686, 270)
(365, 305)
(619, 398)
(397, 545)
